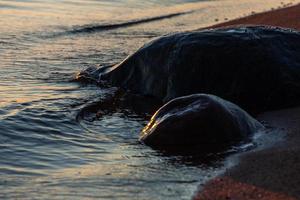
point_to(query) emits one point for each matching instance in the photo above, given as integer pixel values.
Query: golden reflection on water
(92, 170)
(19, 94)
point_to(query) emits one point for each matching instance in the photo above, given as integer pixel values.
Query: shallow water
(44, 152)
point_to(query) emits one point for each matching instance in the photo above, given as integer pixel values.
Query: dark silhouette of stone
(257, 68)
(198, 120)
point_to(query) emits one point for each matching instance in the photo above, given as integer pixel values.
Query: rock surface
(196, 120)
(257, 68)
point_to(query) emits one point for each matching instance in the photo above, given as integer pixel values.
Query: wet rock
(198, 120)
(257, 68)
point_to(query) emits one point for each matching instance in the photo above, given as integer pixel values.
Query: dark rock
(257, 68)
(198, 120)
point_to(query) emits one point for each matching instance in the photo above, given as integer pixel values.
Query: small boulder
(197, 120)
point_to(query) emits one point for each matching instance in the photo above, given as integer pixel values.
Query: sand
(288, 17)
(271, 173)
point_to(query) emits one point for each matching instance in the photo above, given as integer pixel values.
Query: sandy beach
(271, 173)
(288, 17)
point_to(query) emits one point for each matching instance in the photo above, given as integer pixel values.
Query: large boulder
(198, 120)
(257, 68)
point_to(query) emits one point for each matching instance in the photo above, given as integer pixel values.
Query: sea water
(45, 153)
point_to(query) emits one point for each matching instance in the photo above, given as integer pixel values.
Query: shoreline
(270, 173)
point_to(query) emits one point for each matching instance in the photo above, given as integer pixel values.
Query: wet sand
(288, 17)
(271, 173)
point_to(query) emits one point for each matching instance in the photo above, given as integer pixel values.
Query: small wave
(106, 103)
(97, 28)
(8, 6)
(106, 27)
